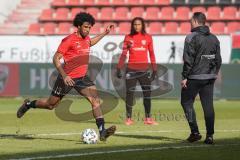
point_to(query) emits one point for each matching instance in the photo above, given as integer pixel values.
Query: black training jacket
(201, 55)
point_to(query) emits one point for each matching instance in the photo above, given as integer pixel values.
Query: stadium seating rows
(181, 13)
(71, 3)
(161, 19)
(124, 27)
(162, 16)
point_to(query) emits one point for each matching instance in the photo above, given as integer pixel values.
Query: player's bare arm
(56, 61)
(97, 38)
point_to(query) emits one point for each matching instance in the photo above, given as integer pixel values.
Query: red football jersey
(138, 46)
(75, 51)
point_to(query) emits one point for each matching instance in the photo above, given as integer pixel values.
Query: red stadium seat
(132, 2)
(93, 11)
(199, 9)
(49, 28)
(34, 29)
(47, 14)
(152, 13)
(148, 2)
(230, 13)
(74, 2)
(61, 14)
(73, 29)
(182, 13)
(213, 13)
(124, 28)
(96, 29)
(171, 28)
(59, 3)
(185, 28)
(121, 13)
(218, 28)
(64, 28)
(103, 2)
(88, 2)
(137, 12)
(107, 13)
(233, 27)
(75, 11)
(155, 28)
(167, 13)
(118, 2)
(163, 2)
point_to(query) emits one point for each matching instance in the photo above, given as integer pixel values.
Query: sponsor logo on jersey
(144, 42)
(139, 48)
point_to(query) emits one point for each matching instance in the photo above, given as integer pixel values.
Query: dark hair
(82, 17)
(199, 17)
(133, 31)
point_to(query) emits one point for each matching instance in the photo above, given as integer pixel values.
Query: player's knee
(95, 102)
(52, 105)
(129, 105)
(209, 115)
(129, 92)
(147, 95)
(185, 103)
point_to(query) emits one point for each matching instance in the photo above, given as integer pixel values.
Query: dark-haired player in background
(139, 45)
(74, 49)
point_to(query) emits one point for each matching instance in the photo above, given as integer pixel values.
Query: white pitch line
(121, 132)
(123, 150)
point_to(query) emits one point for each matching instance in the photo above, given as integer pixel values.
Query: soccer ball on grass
(89, 136)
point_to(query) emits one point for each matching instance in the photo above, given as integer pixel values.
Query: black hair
(133, 31)
(199, 17)
(82, 17)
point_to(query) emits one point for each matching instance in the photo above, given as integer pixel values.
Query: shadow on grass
(32, 137)
(147, 137)
(16, 136)
(223, 149)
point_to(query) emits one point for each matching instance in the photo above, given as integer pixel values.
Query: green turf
(29, 136)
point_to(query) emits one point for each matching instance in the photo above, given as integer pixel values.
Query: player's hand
(184, 83)
(119, 73)
(68, 81)
(109, 28)
(153, 76)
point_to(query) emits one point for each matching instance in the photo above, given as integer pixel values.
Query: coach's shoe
(107, 132)
(209, 139)
(150, 121)
(194, 137)
(129, 122)
(23, 109)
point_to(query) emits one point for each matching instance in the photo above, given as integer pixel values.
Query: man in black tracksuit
(202, 61)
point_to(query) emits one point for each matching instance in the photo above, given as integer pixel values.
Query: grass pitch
(40, 134)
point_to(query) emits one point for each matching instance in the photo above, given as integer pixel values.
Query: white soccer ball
(89, 136)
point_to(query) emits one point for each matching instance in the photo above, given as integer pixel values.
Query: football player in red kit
(74, 49)
(139, 45)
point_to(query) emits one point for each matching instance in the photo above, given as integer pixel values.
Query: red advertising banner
(9, 79)
(236, 41)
